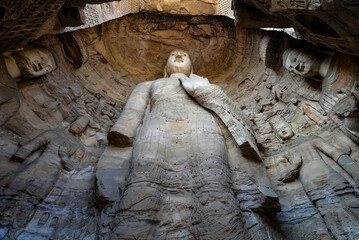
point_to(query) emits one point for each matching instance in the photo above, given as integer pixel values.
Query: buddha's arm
(124, 130)
(329, 149)
(212, 97)
(341, 156)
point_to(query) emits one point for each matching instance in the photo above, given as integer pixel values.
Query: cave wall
(98, 69)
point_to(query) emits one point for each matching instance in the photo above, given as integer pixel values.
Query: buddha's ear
(165, 72)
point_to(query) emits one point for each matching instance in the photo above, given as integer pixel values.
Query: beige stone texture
(163, 187)
(200, 7)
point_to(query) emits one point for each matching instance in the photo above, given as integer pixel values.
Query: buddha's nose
(178, 57)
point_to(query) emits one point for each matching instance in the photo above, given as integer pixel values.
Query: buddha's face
(301, 63)
(283, 130)
(35, 62)
(179, 62)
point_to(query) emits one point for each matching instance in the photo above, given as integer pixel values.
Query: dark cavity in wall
(316, 25)
(2, 13)
(70, 17)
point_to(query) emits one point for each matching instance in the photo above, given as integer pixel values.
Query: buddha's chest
(167, 88)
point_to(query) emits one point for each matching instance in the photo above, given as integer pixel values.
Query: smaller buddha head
(282, 128)
(303, 63)
(178, 62)
(35, 61)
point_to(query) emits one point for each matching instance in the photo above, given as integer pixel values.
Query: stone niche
(61, 179)
(139, 45)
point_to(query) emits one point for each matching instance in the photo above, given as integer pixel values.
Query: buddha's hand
(194, 83)
(291, 173)
(56, 145)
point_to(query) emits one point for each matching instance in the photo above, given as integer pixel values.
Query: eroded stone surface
(202, 7)
(85, 203)
(322, 22)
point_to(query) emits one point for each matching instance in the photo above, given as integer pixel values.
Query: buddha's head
(282, 128)
(178, 62)
(35, 61)
(303, 63)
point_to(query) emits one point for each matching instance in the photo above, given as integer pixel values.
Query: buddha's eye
(295, 59)
(185, 55)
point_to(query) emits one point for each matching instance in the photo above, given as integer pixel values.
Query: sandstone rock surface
(55, 194)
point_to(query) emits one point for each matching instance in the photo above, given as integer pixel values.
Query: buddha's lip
(300, 67)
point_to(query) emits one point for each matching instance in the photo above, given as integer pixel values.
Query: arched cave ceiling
(139, 44)
(136, 48)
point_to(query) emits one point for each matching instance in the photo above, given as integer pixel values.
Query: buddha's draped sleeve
(124, 130)
(340, 155)
(212, 97)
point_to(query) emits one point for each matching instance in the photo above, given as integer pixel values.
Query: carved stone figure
(27, 184)
(180, 180)
(31, 62)
(333, 196)
(338, 98)
(282, 128)
(298, 4)
(79, 125)
(27, 63)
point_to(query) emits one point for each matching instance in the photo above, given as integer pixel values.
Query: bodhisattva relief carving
(30, 62)
(333, 196)
(31, 177)
(180, 182)
(339, 96)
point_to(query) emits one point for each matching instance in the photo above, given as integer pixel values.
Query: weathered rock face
(22, 22)
(322, 22)
(145, 34)
(60, 178)
(202, 7)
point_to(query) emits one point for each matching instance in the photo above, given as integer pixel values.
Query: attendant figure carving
(27, 63)
(27, 185)
(330, 192)
(339, 97)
